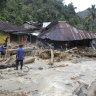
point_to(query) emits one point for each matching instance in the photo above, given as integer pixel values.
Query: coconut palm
(92, 15)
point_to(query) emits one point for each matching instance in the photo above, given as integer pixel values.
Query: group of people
(19, 55)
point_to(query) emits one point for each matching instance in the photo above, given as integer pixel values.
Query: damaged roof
(62, 31)
(7, 27)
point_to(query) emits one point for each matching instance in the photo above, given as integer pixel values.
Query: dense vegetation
(89, 18)
(19, 11)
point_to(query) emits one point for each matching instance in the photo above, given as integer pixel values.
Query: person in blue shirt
(2, 50)
(20, 56)
(52, 46)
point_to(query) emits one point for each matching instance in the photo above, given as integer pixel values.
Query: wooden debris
(63, 65)
(45, 54)
(73, 49)
(75, 77)
(57, 59)
(11, 62)
(52, 56)
(29, 60)
(85, 89)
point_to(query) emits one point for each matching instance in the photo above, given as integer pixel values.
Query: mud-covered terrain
(41, 79)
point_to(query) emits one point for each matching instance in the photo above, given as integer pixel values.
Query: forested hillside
(19, 11)
(83, 14)
(89, 18)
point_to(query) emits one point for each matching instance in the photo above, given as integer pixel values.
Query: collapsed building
(64, 35)
(10, 31)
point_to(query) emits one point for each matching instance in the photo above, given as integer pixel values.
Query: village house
(64, 35)
(13, 32)
(34, 29)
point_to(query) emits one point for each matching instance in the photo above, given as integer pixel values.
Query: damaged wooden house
(65, 35)
(33, 30)
(13, 32)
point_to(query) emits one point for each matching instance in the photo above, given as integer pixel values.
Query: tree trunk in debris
(52, 56)
(11, 62)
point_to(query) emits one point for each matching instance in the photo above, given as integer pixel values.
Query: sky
(81, 4)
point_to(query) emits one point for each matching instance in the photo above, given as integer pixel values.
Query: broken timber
(11, 62)
(85, 89)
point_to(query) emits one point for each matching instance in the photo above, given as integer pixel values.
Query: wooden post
(52, 56)
(93, 46)
(6, 51)
(30, 39)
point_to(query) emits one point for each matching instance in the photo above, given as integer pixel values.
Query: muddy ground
(41, 79)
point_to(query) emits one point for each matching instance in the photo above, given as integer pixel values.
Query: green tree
(90, 18)
(2, 4)
(18, 21)
(38, 10)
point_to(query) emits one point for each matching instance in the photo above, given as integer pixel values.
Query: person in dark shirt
(6, 40)
(2, 50)
(20, 56)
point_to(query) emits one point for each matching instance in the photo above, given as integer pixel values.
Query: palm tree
(92, 15)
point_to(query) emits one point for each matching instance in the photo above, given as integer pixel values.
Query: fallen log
(73, 49)
(11, 62)
(29, 60)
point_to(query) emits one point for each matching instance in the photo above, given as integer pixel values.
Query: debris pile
(85, 89)
(89, 52)
(70, 55)
(59, 55)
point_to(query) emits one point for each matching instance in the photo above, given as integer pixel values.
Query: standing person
(2, 50)
(6, 43)
(20, 56)
(6, 40)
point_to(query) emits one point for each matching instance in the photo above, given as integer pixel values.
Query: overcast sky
(81, 4)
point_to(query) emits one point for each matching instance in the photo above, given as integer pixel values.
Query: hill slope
(19, 11)
(84, 13)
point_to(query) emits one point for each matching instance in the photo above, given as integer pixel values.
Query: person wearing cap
(20, 56)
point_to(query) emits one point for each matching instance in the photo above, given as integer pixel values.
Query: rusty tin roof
(62, 31)
(7, 27)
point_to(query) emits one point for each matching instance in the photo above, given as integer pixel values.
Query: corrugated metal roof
(62, 31)
(45, 24)
(7, 27)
